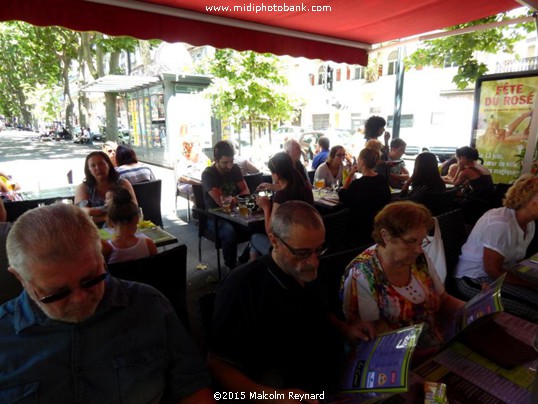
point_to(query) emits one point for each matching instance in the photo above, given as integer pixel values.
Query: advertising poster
(503, 114)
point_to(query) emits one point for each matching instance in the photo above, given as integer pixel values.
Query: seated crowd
(75, 333)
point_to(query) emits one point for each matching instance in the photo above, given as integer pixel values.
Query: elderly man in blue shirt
(76, 334)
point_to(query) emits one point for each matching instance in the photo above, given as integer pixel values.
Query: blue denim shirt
(132, 350)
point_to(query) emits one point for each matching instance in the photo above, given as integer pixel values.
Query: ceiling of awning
(119, 84)
(342, 34)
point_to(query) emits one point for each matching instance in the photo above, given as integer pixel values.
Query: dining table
(495, 363)
(254, 220)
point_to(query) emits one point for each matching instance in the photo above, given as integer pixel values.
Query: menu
(483, 304)
(381, 365)
(527, 269)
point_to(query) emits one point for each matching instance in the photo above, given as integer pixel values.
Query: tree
(248, 88)
(96, 49)
(31, 59)
(461, 50)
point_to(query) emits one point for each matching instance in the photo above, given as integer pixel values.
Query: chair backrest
(498, 194)
(336, 230)
(311, 174)
(148, 195)
(438, 202)
(206, 307)
(330, 271)
(166, 272)
(199, 212)
(198, 193)
(454, 235)
(14, 209)
(253, 180)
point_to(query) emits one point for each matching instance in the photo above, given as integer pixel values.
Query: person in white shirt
(497, 242)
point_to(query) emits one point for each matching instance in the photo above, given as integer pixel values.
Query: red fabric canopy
(269, 28)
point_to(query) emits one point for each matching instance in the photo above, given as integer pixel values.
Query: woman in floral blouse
(393, 284)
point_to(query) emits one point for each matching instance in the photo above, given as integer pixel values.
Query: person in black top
(364, 196)
(221, 179)
(291, 186)
(271, 330)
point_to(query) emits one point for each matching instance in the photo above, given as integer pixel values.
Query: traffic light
(329, 78)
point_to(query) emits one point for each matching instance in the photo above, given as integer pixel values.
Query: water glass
(226, 203)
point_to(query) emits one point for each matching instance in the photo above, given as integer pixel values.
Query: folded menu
(484, 304)
(381, 365)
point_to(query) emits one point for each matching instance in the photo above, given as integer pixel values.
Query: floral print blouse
(369, 296)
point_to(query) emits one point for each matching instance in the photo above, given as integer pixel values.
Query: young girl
(123, 218)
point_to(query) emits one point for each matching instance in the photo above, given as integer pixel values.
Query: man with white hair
(293, 149)
(76, 334)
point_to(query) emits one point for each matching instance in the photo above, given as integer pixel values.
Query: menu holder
(484, 304)
(382, 364)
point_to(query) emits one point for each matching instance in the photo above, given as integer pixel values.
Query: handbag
(436, 252)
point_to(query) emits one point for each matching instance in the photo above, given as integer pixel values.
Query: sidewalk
(34, 165)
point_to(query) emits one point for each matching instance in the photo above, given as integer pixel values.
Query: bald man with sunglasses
(76, 334)
(271, 331)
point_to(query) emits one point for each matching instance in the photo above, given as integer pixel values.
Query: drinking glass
(319, 184)
(226, 203)
(140, 215)
(336, 184)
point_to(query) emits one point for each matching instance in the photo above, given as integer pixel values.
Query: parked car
(283, 133)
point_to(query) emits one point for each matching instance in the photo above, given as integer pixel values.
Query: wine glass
(140, 215)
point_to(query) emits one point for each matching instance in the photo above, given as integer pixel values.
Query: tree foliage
(248, 88)
(31, 59)
(36, 67)
(461, 50)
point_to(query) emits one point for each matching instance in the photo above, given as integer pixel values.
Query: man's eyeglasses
(90, 283)
(303, 253)
(422, 243)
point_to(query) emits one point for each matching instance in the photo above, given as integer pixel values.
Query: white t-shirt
(499, 231)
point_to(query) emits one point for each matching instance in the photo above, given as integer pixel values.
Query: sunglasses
(340, 154)
(303, 253)
(90, 283)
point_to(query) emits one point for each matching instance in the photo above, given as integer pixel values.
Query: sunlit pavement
(38, 165)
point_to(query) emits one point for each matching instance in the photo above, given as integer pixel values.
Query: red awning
(342, 33)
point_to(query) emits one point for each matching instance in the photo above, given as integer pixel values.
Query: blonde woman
(497, 242)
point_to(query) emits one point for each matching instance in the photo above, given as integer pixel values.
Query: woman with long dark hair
(291, 186)
(100, 178)
(425, 178)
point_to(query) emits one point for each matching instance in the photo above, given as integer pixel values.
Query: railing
(520, 65)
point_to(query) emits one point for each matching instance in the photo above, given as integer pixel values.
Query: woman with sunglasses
(332, 169)
(101, 177)
(109, 147)
(393, 284)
